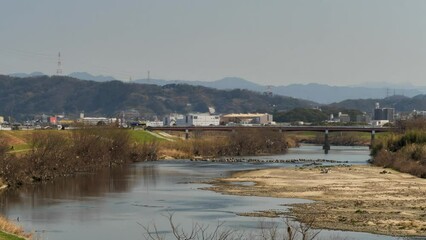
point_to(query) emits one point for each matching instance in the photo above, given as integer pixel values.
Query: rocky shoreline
(256, 160)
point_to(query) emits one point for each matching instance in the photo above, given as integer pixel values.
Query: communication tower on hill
(268, 91)
(59, 69)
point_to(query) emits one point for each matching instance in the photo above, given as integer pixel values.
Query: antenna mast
(59, 69)
(268, 91)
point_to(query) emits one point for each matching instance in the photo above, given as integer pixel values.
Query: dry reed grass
(10, 227)
(173, 154)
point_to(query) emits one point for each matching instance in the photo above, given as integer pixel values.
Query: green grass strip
(6, 236)
(141, 136)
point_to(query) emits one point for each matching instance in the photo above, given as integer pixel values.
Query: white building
(154, 123)
(202, 119)
(417, 113)
(192, 119)
(379, 123)
(247, 118)
(174, 120)
(3, 128)
(1, 119)
(97, 121)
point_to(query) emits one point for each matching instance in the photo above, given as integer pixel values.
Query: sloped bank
(10, 231)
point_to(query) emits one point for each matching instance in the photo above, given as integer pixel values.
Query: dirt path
(357, 198)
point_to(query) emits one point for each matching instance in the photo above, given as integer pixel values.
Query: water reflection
(110, 203)
(81, 186)
(150, 175)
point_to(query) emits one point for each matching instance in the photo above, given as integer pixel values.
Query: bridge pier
(186, 134)
(373, 134)
(326, 146)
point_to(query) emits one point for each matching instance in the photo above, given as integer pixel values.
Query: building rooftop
(244, 115)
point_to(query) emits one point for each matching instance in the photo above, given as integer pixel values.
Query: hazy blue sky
(275, 42)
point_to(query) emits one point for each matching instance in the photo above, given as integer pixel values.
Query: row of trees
(56, 154)
(243, 142)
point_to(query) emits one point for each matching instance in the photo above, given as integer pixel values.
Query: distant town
(378, 117)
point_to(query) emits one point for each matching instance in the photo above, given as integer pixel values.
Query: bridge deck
(277, 128)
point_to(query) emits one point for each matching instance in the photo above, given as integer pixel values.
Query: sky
(270, 42)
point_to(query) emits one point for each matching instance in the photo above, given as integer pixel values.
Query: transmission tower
(59, 69)
(268, 91)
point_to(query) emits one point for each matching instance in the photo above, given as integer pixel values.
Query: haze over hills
(26, 75)
(88, 76)
(400, 103)
(319, 93)
(24, 97)
(78, 75)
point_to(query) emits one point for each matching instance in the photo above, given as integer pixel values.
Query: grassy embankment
(6, 236)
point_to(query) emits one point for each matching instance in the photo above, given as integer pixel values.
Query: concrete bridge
(325, 129)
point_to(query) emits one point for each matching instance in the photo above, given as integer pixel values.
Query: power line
(27, 53)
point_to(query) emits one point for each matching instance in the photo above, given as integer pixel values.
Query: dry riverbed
(356, 198)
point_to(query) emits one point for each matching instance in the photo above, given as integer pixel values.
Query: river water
(118, 203)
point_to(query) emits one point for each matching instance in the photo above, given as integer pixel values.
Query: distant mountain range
(22, 98)
(78, 75)
(320, 93)
(400, 103)
(27, 75)
(87, 76)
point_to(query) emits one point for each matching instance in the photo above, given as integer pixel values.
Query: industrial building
(247, 118)
(417, 113)
(363, 118)
(192, 119)
(383, 113)
(341, 117)
(96, 120)
(174, 120)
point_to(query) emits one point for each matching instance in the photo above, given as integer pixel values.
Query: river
(116, 203)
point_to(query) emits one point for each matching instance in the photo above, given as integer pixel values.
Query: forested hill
(400, 103)
(24, 97)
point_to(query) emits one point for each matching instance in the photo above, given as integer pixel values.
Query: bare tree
(291, 230)
(197, 232)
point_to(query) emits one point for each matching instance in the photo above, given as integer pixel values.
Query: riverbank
(10, 231)
(353, 198)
